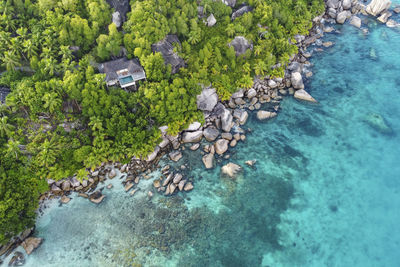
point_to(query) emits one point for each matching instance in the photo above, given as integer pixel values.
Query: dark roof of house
(166, 48)
(4, 91)
(110, 68)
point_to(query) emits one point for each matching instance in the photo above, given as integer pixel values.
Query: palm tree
(13, 148)
(230, 30)
(51, 101)
(17, 46)
(260, 67)
(10, 60)
(30, 48)
(5, 127)
(65, 52)
(246, 67)
(257, 50)
(96, 124)
(194, 37)
(5, 39)
(245, 82)
(47, 154)
(51, 65)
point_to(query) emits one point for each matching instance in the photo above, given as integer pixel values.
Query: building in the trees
(166, 48)
(123, 72)
(4, 91)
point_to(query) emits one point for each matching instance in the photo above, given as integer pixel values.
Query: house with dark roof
(166, 48)
(4, 91)
(122, 72)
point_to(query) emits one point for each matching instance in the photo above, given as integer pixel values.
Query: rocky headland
(224, 121)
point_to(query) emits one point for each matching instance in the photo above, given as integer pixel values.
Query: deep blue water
(325, 190)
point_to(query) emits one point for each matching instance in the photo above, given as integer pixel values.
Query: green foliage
(18, 197)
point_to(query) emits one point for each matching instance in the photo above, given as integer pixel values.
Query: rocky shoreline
(223, 127)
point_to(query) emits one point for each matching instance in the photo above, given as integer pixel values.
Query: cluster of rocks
(224, 120)
(342, 10)
(172, 182)
(28, 243)
(87, 188)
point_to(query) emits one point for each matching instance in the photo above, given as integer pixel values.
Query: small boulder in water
(97, 197)
(188, 186)
(17, 260)
(65, 199)
(263, 115)
(112, 174)
(355, 21)
(303, 95)
(208, 161)
(175, 155)
(31, 243)
(251, 163)
(297, 80)
(221, 146)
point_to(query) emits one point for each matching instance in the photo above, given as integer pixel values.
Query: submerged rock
(178, 177)
(112, 174)
(181, 185)
(188, 186)
(303, 95)
(195, 147)
(17, 260)
(97, 197)
(377, 122)
(231, 170)
(64, 199)
(128, 186)
(175, 156)
(168, 179)
(251, 162)
(392, 23)
(31, 243)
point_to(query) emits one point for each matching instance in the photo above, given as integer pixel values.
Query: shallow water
(325, 190)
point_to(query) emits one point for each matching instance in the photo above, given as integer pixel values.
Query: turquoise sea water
(325, 190)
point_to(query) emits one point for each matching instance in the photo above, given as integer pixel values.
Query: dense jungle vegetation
(48, 51)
